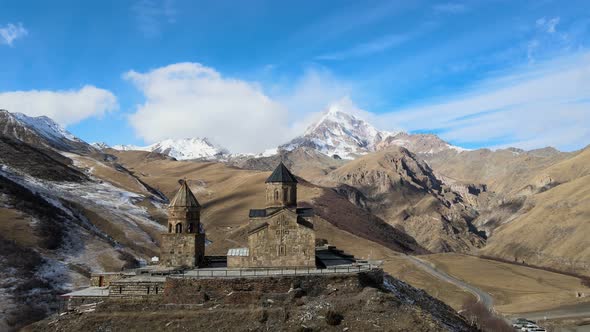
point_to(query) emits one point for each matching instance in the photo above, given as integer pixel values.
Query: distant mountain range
(72, 207)
(347, 136)
(181, 149)
(336, 134)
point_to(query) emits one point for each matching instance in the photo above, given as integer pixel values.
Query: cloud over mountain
(189, 99)
(64, 106)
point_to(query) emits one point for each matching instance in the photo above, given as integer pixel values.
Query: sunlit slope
(556, 229)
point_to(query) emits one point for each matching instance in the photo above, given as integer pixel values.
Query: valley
(74, 208)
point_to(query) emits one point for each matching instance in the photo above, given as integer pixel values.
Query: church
(279, 235)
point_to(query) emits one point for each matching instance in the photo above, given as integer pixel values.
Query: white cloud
(190, 100)
(11, 32)
(547, 105)
(151, 15)
(368, 48)
(65, 107)
(310, 95)
(547, 25)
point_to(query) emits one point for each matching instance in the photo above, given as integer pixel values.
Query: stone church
(281, 234)
(184, 244)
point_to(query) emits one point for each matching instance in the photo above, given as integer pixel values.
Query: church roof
(281, 174)
(261, 213)
(184, 197)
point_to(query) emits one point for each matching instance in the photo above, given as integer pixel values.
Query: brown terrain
(536, 209)
(67, 209)
(403, 190)
(364, 302)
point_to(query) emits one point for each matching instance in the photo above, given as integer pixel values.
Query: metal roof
(184, 197)
(305, 212)
(281, 174)
(257, 213)
(243, 252)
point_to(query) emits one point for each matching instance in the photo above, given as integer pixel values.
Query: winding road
(580, 310)
(482, 296)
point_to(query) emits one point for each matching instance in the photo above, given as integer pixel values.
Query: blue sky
(252, 74)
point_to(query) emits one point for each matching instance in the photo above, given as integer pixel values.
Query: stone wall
(184, 249)
(237, 261)
(133, 289)
(249, 290)
(104, 279)
(284, 243)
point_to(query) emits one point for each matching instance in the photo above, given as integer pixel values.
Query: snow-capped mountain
(100, 145)
(182, 149)
(339, 133)
(346, 135)
(40, 130)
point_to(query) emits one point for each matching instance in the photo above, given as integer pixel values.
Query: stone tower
(281, 188)
(184, 244)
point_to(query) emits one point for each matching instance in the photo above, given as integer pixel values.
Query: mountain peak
(182, 148)
(40, 130)
(339, 131)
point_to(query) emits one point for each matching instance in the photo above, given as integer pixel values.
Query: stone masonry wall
(126, 289)
(184, 249)
(106, 278)
(249, 290)
(284, 243)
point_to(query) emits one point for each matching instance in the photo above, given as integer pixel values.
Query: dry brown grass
(514, 288)
(16, 226)
(228, 193)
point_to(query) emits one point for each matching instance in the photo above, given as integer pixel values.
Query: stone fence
(266, 272)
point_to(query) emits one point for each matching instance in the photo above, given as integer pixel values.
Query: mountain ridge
(41, 130)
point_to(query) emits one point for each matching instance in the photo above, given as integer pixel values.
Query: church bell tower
(184, 244)
(281, 188)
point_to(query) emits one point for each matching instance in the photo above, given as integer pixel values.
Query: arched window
(178, 228)
(191, 227)
(169, 228)
(276, 195)
(286, 194)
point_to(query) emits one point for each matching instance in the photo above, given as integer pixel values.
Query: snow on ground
(46, 127)
(102, 197)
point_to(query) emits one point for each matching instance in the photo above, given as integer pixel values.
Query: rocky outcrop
(404, 191)
(367, 301)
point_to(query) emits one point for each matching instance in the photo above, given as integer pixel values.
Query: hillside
(503, 171)
(63, 215)
(367, 302)
(403, 190)
(552, 230)
(40, 131)
(306, 162)
(227, 194)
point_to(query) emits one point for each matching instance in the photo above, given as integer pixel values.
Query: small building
(184, 244)
(281, 234)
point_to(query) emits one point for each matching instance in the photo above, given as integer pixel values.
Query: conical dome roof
(184, 197)
(281, 174)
